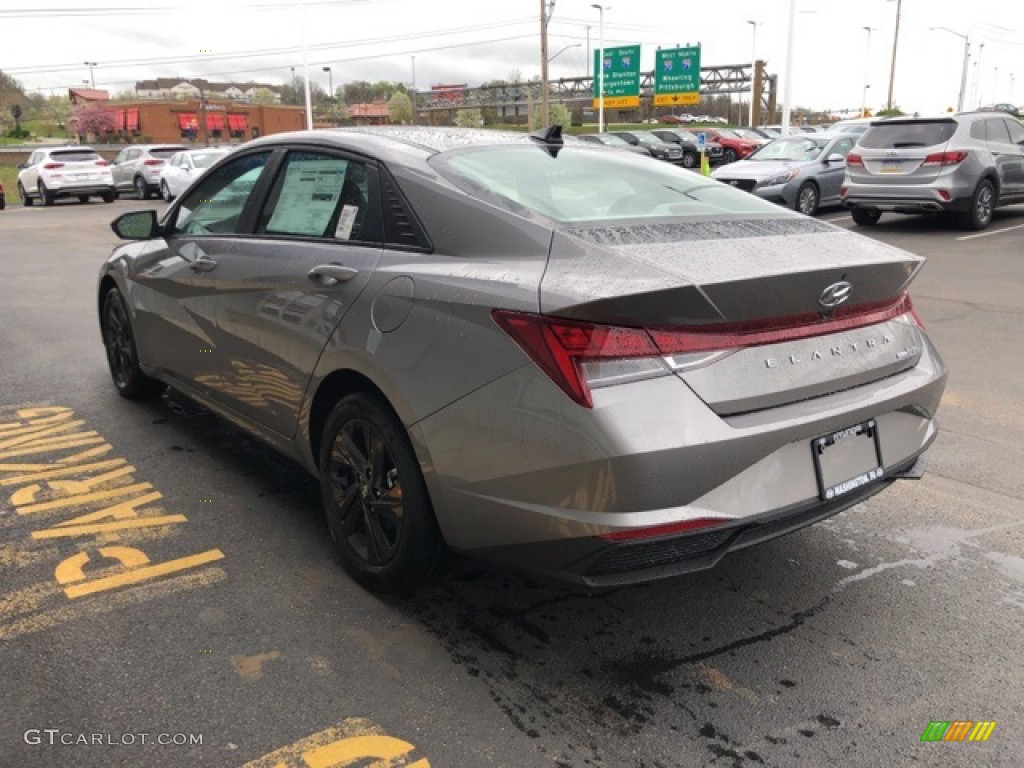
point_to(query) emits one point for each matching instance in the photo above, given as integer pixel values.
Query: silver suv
(967, 164)
(138, 168)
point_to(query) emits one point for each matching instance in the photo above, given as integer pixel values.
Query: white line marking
(839, 218)
(993, 232)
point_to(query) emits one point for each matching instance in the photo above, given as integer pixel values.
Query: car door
(177, 173)
(830, 178)
(174, 283)
(30, 174)
(1014, 153)
(283, 289)
(120, 170)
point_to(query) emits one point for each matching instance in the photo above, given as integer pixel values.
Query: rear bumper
(74, 190)
(930, 198)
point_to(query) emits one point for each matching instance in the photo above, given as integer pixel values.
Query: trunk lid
(737, 276)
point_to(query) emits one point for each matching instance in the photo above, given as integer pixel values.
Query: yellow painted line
(31, 434)
(350, 751)
(27, 420)
(47, 473)
(87, 530)
(121, 511)
(91, 453)
(353, 742)
(140, 575)
(85, 498)
(24, 467)
(53, 445)
(29, 493)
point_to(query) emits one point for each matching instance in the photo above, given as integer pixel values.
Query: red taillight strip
(777, 329)
(665, 530)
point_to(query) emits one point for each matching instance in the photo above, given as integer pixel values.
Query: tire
(983, 203)
(3, 202)
(165, 192)
(83, 198)
(690, 160)
(729, 155)
(375, 499)
(44, 194)
(122, 354)
(141, 188)
(25, 199)
(109, 197)
(864, 217)
(807, 199)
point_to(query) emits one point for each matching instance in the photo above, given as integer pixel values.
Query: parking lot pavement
(166, 579)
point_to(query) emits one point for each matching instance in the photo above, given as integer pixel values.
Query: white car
(185, 167)
(58, 172)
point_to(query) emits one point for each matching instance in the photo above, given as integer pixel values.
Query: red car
(734, 146)
(3, 200)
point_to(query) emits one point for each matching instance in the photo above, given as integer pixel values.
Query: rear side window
(979, 130)
(997, 131)
(74, 156)
(165, 153)
(906, 135)
(1016, 131)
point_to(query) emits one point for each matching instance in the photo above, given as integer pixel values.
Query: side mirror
(136, 225)
(22, 166)
(835, 157)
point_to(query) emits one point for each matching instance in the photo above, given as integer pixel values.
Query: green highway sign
(621, 69)
(677, 76)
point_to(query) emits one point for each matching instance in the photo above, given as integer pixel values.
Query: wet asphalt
(837, 645)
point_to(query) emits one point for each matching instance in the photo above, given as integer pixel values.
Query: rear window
(904, 135)
(74, 155)
(166, 152)
(578, 185)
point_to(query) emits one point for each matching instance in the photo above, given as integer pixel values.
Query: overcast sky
(470, 41)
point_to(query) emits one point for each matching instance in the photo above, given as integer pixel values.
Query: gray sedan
(526, 348)
(801, 172)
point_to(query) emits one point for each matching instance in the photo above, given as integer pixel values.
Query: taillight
(53, 166)
(939, 159)
(580, 356)
(102, 162)
(665, 530)
(855, 160)
(154, 162)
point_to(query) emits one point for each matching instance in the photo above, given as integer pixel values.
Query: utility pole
(753, 68)
(787, 86)
(305, 67)
(92, 78)
(867, 70)
(544, 15)
(895, 41)
(600, 68)
(413, 93)
(588, 50)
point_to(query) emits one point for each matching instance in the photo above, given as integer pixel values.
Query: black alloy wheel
(122, 355)
(141, 189)
(689, 160)
(165, 191)
(983, 204)
(375, 498)
(44, 194)
(729, 155)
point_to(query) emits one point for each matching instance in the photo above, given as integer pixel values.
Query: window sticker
(348, 218)
(309, 195)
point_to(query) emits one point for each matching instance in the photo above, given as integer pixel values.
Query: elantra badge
(835, 294)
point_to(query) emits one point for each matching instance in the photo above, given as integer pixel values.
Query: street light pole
(305, 66)
(413, 94)
(895, 41)
(600, 67)
(330, 82)
(788, 86)
(753, 69)
(963, 75)
(588, 50)
(92, 79)
(867, 69)
(546, 112)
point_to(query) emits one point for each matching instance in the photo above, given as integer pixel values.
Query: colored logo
(668, 65)
(958, 730)
(687, 63)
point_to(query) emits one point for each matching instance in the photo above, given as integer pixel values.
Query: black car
(1009, 109)
(687, 140)
(662, 150)
(616, 142)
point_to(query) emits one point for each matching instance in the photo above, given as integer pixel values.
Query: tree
(469, 118)
(334, 110)
(400, 109)
(58, 109)
(557, 113)
(94, 119)
(263, 96)
(895, 111)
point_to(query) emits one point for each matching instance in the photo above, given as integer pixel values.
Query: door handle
(329, 274)
(203, 264)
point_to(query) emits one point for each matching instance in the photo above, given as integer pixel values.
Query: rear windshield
(74, 155)
(905, 135)
(166, 152)
(579, 184)
(206, 159)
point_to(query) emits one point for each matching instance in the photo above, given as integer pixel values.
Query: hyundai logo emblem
(835, 294)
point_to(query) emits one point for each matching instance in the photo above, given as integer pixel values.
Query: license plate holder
(847, 459)
(892, 166)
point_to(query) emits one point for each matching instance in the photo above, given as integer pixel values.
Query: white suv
(65, 172)
(138, 168)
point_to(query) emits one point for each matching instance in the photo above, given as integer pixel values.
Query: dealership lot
(227, 616)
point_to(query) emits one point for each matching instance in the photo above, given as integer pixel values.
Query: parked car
(662, 150)
(3, 198)
(800, 172)
(685, 117)
(1009, 109)
(616, 142)
(185, 167)
(56, 172)
(855, 125)
(751, 135)
(734, 146)
(688, 142)
(967, 164)
(527, 348)
(138, 168)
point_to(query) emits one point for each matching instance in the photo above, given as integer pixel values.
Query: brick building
(177, 120)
